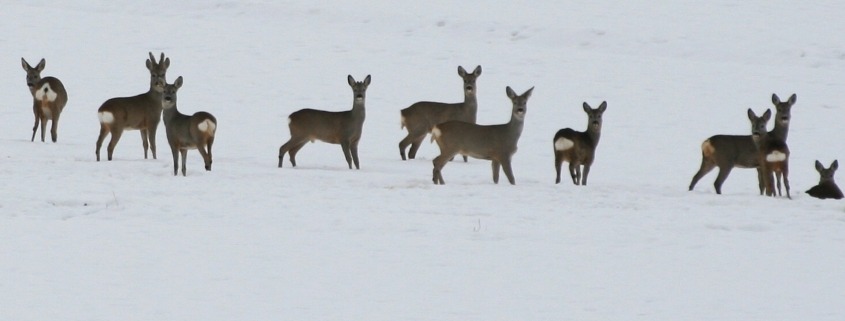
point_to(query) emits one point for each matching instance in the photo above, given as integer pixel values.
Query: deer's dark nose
(469, 88)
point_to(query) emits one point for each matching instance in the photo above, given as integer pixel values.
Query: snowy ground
(124, 240)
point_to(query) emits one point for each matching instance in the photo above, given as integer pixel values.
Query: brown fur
(44, 109)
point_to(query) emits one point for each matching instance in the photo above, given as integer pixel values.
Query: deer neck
(780, 131)
(170, 114)
(358, 110)
(594, 134)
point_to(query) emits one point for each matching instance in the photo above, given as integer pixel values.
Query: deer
(579, 148)
(729, 151)
(141, 112)
(496, 143)
(827, 186)
(342, 127)
(772, 154)
(420, 117)
(49, 98)
(186, 132)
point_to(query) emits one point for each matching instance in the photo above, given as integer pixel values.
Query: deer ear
(751, 114)
(477, 71)
(603, 106)
(819, 166)
(165, 63)
(792, 99)
(834, 165)
(587, 107)
(767, 115)
(178, 82)
(41, 64)
(510, 92)
(367, 80)
(350, 80)
(25, 65)
(528, 92)
(149, 65)
(775, 99)
(461, 71)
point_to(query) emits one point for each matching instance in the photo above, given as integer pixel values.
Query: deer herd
(451, 125)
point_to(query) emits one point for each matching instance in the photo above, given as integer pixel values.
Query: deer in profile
(579, 148)
(496, 143)
(186, 132)
(48, 98)
(772, 154)
(729, 151)
(344, 127)
(141, 112)
(827, 186)
(420, 117)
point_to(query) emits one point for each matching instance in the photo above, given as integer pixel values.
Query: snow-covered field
(125, 240)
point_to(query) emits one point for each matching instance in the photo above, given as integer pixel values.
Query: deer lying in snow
(342, 128)
(496, 143)
(49, 98)
(186, 132)
(827, 186)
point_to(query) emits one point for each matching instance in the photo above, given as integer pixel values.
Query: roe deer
(827, 186)
(186, 132)
(342, 127)
(496, 143)
(142, 112)
(48, 98)
(729, 151)
(579, 148)
(772, 154)
(420, 117)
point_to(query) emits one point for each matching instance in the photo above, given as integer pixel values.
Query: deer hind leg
(208, 145)
(778, 175)
(289, 146)
(786, 179)
(404, 144)
(706, 167)
(103, 132)
(415, 145)
(151, 133)
(43, 125)
(724, 171)
(506, 167)
(115, 137)
(575, 172)
(558, 165)
(439, 162)
(206, 156)
(496, 165)
(54, 127)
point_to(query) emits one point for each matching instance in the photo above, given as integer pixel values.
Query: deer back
(141, 111)
(332, 126)
(423, 115)
(48, 93)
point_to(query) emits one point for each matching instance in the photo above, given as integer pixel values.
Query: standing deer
(48, 98)
(772, 154)
(579, 148)
(186, 132)
(420, 117)
(729, 151)
(342, 128)
(496, 143)
(827, 186)
(142, 112)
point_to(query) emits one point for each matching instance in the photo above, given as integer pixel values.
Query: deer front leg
(145, 141)
(506, 166)
(353, 148)
(37, 119)
(586, 172)
(151, 133)
(786, 179)
(347, 153)
(184, 153)
(496, 166)
(175, 151)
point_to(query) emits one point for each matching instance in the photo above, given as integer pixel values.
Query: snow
(125, 240)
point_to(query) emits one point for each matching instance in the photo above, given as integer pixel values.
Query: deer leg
(151, 133)
(506, 167)
(586, 172)
(184, 153)
(558, 163)
(439, 162)
(760, 179)
(54, 127)
(115, 137)
(415, 146)
(347, 153)
(573, 169)
(145, 141)
(724, 171)
(293, 152)
(496, 165)
(206, 157)
(43, 126)
(103, 132)
(208, 144)
(37, 120)
(287, 146)
(403, 144)
(786, 179)
(353, 149)
(706, 167)
(778, 175)
(175, 151)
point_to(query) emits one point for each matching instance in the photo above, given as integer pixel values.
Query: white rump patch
(288, 121)
(776, 156)
(106, 117)
(435, 132)
(46, 92)
(402, 123)
(207, 126)
(562, 144)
